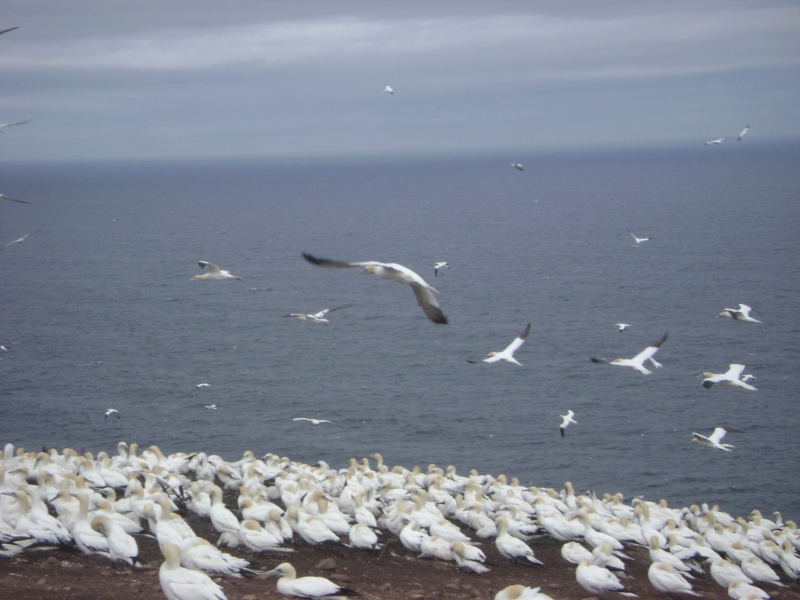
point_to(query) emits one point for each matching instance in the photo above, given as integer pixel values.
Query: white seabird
(739, 314)
(22, 239)
(388, 89)
(638, 240)
(622, 326)
(743, 133)
(637, 362)
(713, 440)
(211, 407)
(306, 587)
(180, 583)
(318, 317)
(595, 579)
(731, 378)
(4, 125)
(112, 412)
(423, 291)
(508, 353)
(521, 592)
(667, 579)
(712, 142)
(517, 166)
(214, 273)
(313, 421)
(203, 385)
(4, 197)
(439, 265)
(566, 420)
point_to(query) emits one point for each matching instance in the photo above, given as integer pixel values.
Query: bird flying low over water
(713, 440)
(566, 420)
(423, 291)
(638, 240)
(739, 314)
(439, 265)
(732, 378)
(712, 142)
(637, 362)
(22, 239)
(318, 317)
(314, 421)
(388, 89)
(517, 166)
(743, 133)
(4, 125)
(622, 326)
(4, 197)
(508, 353)
(112, 412)
(214, 273)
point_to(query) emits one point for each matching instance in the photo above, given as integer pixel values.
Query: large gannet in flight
(739, 314)
(4, 125)
(743, 133)
(318, 317)
(442, 264)
(423, 291)
(732, 378)
(508, 353)
(712, 142)
(388, 89)
(638, 240)
(637, 362)
(566, 420)
(214, 273)
(713, 440)
(4, 197)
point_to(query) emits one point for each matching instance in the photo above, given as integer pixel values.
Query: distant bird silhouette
(743, 133)
(4, 197)
(517, 166)
(388, 89)
(112, 412)
(712, 142)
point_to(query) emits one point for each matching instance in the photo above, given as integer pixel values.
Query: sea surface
(99, 311)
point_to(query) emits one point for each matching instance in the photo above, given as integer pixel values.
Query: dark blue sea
(99, 311)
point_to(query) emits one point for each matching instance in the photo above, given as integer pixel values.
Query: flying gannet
(423, 291)
(743, 133)
(739, 314)
(517, 166)
(214, 273)
(637, 362)
(9, 29)
(713, 440)
(318, 317)
(388, 89)
(112, 412)
(4, 197)
(4, 125)
(712, 142)
(508, 353)
(622, 326)
(439, 265)
(306, 587)
(22, 239)
(639, 240)
(731, 378)
(314, 421)
(566, 420)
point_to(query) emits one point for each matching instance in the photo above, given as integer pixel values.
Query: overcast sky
(164, 78)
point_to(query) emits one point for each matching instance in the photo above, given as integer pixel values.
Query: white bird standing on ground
(388, 89)
(739, 314)
(442, 264)
(510, 547)
(517, 166)
(743, 133)
(731, 378)
(717, 141)
(595, 579)
(713, 441)
(112, 412)
(180, 583)
(638, 240)
(4, 197)
(508, 353)
(306, 587)
(214, 273)
(521, 592)
(313, 421)
(318, 317)
(423, 291)
(637, 362)
(566, 420)
(667, 579)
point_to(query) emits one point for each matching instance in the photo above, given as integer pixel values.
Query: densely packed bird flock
(101, 505)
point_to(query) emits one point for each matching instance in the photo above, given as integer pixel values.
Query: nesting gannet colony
(214, 521)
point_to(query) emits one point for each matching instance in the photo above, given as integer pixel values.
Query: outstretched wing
(519, 340)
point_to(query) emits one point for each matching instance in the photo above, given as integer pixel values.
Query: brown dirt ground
(394, 574)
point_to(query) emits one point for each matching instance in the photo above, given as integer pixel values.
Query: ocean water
(98, 311)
